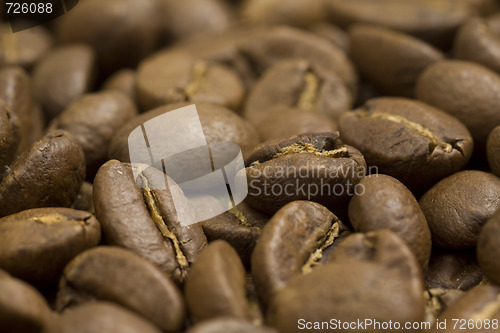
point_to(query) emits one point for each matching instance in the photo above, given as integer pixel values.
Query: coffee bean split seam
(425, 132)
(433, 301)
(303, 147)
(57, 218)
(241, 218)
(322, 244)
(310, 93)
(160, 223)
(200, 70)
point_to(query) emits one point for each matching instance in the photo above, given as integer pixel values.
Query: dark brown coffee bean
(477, 307)
(493, 150)
(362, 282)
(387, 204)
(124, 81)
(144, 220)
(447, 85)
(409, 140)
(170, 77)
(22, 308)
(284, 122)
(24, 48)
(432, 20)
(269, 47)
(453, 270)
(93, 119)
(390, 60)
(438, 300)
(83, 199)
(332, 33)
(297, 84)
(215, 286)
(219, 125)
(295, 239)
(120, 32)
(316, 167)
(478, 41)
(64, 74)
(228, 325)
(240, 227)
(36, 244)
(457, 207)
(48, 175)
(120, 276)
(488, 250)
(103, 317)
(300, 13)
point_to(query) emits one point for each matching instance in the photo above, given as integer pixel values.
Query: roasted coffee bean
(458, 206)
(229, 325)
(120, 32)
(240, 227)
(62, 75)
(390, 60)
(477, 307)
(126, 279)
(170, 77)
(93, 119)
(124, 81)
(438, 300)
(215, 286)
(24, 48)
(22, 308)
(432, 20)
(332, 33)
(219, 125)
(297, 84)
(48, 175)
(387, 204)
(409, 140)
(488, 250)
(143, 220)
(83, 199)
(103, 317)
(297, 238)
(361, 281)
(447, 85)
(478, 41)
(453, 270)
(267, 48)
(319, 163)
(493, 150)
(36, 244)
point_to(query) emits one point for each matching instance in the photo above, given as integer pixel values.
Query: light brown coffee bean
(488, 250)
(387, 204)
(438, 300)
(332, 33)
(36, 244)
(124, 81)
(457, 207)
(123, 278)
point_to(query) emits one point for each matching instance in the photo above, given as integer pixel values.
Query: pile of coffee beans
(370, 135)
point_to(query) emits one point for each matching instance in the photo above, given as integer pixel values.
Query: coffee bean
(83, 199)
(241, 226)
(438, 300)
(124, 81)
(48, 175)
(36, 244)
(64, 74)
(22, 308)
(103, 317)
(228, 325)
(387, 204)
(215, 286)
(143, 220)
(392, 61)
(409, 140)
(126, 279)
(453, 270)
(93, 119)
(295, 240)
(478, 306)
(324, 168)
(170, 77)
(493, 150)
(120, 32)
(332, 33)
(487, 249)
(296, 84)
(362, 282)
(457, 207)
